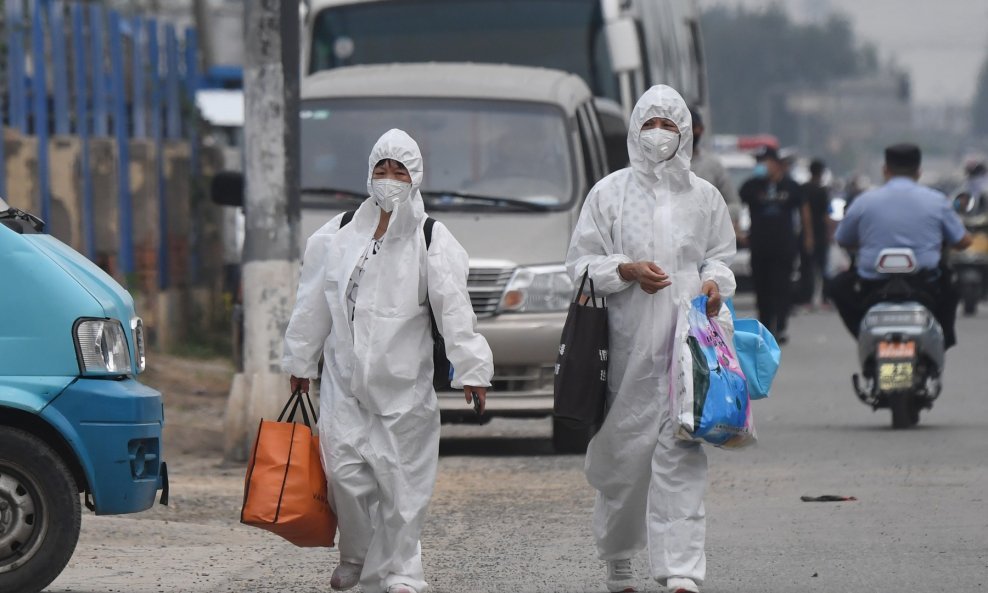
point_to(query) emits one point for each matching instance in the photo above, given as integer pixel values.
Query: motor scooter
(900, 344)
(971, 264)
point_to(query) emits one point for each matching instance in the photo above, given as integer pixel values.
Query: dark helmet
(975, 167)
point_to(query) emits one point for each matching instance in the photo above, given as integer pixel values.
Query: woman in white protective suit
(362, 304)
(652, 236)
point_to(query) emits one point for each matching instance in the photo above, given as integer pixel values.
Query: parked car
(73, 416)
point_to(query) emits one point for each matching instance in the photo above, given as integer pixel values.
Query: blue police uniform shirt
(901, 213)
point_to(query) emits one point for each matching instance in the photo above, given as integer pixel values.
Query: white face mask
(388, 193)
(658, 145)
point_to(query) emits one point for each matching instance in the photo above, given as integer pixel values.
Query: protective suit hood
(662, 101)
(397, 145)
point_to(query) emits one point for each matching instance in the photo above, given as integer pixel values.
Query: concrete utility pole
(200, 10)
(270, 257)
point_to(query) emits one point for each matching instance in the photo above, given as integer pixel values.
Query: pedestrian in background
(651, 237)
(708, 167)
(776, 206)
(816, 235)
(363, 303)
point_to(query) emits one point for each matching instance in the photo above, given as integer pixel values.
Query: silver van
(510, 153)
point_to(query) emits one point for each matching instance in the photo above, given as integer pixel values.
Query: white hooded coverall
(650, 485)
(379, 417)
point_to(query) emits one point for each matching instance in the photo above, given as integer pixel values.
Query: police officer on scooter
(901, 213)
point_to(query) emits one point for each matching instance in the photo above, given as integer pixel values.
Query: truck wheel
(905, 411)
(40, 512)
(567, 439)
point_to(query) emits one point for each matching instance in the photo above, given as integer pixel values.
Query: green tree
(754, 56)
(979, 108)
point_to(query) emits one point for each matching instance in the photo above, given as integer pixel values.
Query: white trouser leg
(352, 487)
(617, 466)
(382, 470)
(404, 454)
(354, 497)
(676, 516)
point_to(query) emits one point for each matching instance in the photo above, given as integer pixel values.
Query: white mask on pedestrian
(658, 145)
(389, 193)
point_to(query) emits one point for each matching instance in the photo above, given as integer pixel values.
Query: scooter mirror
(227, 188)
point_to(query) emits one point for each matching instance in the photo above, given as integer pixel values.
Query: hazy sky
(941, 43)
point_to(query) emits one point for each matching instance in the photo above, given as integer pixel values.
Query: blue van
(73, 417)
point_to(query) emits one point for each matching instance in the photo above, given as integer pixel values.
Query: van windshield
(564, 34)
(474, 151)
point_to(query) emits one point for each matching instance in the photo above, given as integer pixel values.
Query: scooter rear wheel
(905, 411)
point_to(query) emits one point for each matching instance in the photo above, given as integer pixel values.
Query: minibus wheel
(40, 513)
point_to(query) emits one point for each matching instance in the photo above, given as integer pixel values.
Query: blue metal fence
(40, 102)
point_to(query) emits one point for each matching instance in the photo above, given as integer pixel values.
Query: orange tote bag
(285, 490)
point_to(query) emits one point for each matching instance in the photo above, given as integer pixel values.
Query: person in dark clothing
(814, 244)
(904, 214)
(775, 204)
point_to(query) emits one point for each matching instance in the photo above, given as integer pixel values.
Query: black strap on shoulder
(427, 229)
(347, 217)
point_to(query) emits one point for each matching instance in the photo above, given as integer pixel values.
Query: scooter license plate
(895, 376)
(896, 350)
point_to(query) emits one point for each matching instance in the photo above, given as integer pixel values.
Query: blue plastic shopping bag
(759, 355)
(709, 392)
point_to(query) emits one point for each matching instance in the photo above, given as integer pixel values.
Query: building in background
(849, 121)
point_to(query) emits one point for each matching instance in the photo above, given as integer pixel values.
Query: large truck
(618, 47)
(74, 419)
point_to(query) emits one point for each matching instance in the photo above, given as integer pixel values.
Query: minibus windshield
(478, 154)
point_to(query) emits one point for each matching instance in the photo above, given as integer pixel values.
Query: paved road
(508, 516)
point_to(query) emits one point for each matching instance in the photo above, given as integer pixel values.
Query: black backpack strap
(347, 217)
(427, 229)
(440, 364)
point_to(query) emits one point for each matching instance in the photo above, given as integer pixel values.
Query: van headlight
(538, 289)
(102, 347)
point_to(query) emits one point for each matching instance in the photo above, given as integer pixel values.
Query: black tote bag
(580, 385)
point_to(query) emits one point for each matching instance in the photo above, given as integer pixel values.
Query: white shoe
(681, 585)
(621, 576)
(346, 576)
(401, 588)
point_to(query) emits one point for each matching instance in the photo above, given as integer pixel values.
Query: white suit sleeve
(311, 322)
(468, 351)
(721, 249)
(592, 247)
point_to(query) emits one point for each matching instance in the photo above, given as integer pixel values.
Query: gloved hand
(714, 301)
(649, 276)
(469, 390)
(299, 384)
